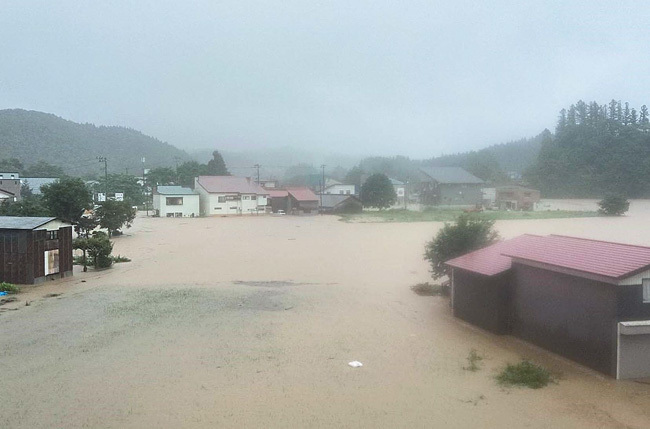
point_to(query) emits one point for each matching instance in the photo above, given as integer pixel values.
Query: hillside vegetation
(596, 150)
(33, 136)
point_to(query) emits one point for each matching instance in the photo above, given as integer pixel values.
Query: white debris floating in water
(355, 364)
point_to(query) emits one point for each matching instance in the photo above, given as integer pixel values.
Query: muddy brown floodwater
(251, 322)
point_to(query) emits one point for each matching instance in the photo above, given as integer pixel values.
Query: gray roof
(395, 182)
(450, 175)
(174, 190)
(35, 183)
(17, 222)
(332, 200)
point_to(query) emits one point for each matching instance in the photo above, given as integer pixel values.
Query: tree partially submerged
(113, 215)
(613, 205)
(97, 250)
(378, 192)
(467, 234)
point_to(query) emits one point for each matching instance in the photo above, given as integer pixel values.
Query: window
(221, 199)
(246, 197)
(646, 290)
(253, 197)
(174, 201)
(52, 235)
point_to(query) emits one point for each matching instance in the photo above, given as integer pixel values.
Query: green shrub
(614, 205)
(473, 361)
(525, 373)
(9, 288)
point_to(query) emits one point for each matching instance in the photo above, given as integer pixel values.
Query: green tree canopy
(216, 166)
(133, 191)
(467, 234)
(67, 198)
(161, 176)
(378, 192)
(614, 205)
(113, 215)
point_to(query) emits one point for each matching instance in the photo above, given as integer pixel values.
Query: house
(6, 196)
(175, 201)
(278, 201)
(10, 184)
(586, 300)
(449, 186)
(340, 189)
(269, 183)
(302, 201)
(33, 249)
(516, 198)
(35, 183)
(337, 203)
(400, 191)
(230, 195)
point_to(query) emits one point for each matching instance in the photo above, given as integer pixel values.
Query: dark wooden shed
(587, 300)
(33, 249)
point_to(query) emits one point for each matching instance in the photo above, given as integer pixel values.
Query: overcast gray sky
(417, 78)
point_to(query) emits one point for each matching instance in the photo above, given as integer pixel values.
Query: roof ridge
(599, 241)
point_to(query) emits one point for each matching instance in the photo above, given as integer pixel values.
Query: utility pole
(105, 161)
(144, 186)
(258, 173)
(322, 187)
(406, 187)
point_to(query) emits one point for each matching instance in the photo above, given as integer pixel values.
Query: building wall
(460, 194)
(341, 189)
(230, 204)
(630, 303)
(189, 208)
(571, 316)
(482, 300)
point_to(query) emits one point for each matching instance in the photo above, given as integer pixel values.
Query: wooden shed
(33, 249)
(587, 300)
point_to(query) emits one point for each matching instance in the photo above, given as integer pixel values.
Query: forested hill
(596, 149)
(35, 136)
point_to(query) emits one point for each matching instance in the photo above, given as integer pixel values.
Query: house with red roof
(586, 300)
(230, 195)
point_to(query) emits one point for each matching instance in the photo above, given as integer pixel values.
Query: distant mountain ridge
(32, 136)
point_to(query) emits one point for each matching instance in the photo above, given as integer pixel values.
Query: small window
(221, 199)
(52, 235)
(253, 197)
(646, 290)
(246, 197)
(174, 201)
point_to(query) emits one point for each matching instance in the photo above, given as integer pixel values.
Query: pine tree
(619, 112)
(626, 114)
(633, 116)
(612, 110)
(571, 115)
(561, 122)
(644, 120)
(217, 166)
(581, 111)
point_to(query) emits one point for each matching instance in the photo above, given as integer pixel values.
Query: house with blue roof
(175, 201)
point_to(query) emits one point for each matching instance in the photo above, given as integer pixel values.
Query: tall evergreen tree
(217, 166)
(581, 112)
(627, 119)
(619, 112)
(571, 115)
(612, 110)
(561, 122)
(644, 120)
(634, 117)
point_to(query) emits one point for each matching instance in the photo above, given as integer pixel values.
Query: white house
(230, 195)
(175, 201)
(340, 189)
(400, 190)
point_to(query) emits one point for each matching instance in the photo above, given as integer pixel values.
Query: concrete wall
(243, 204)
(460, 194)
(570, 316)
(481, 300)
(634, 352)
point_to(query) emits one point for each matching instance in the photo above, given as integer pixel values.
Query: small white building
(230, 195)
(340, 189)
(175, 201)
(400, 190)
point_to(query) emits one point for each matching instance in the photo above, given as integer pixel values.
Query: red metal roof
(602, 258)
(277, 193)
(303, 194)
(490, 261)
(231, 184)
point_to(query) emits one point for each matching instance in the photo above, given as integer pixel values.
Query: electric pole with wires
(257, 166)
(105, 161)
(322, 187)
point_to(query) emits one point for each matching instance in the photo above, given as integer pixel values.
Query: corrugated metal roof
(490, 261)
(231, 184)
(602, 258)
(35, 183)
(303, 194)
(16, 222)
(277, 193)
(332, 200)
(450, 175)
(174, 190)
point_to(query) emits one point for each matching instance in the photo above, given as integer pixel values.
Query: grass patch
(119, 258)
(9, 287)
(525, 373)
(473, 361)
(448, 215)
(428, 289)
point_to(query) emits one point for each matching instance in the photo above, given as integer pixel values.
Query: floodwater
(251, 322)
